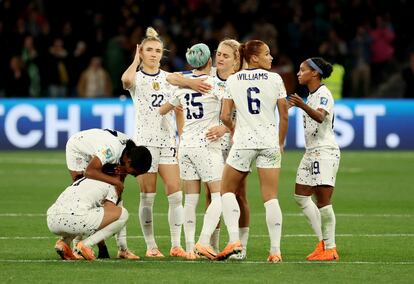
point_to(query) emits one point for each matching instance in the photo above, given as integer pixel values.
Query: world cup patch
(324, 101)
(107, 153)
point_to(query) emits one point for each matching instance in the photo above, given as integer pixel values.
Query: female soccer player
(87, 208)
(149, 90)
(200, 159)
(316, 174)
(255, 93)
(88, 151)
(227, 63)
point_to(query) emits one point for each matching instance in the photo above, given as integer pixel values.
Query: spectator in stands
(382, 49)
(57, 69)
(30, 58)
(94, 81)
(361, 58)
(17, 81)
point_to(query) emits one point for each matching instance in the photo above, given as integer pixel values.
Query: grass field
(374, 205)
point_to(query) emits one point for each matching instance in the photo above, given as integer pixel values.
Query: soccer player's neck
(150, 70)
(313, 85)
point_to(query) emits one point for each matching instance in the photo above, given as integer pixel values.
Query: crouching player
(88, 208)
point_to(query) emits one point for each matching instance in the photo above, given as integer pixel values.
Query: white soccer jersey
(83, 195)
(255, 93)
(201, 112)
(320, 134)
(150, 92)
(106, 144)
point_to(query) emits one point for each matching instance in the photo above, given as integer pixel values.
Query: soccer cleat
(326, 255)
(320, 247)
(154, 252)
(64, 250)
(127, 254)
(178, 252)
(77, 256)
(231, 248)
(274, 258)
(192, 256)
(205, 251)
(85, 251)
(239, 256)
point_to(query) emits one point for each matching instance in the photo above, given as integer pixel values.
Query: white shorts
(162, 156)
(205, 164)
(76, 160)
(318, 167)
(76, 225)
(242, 159)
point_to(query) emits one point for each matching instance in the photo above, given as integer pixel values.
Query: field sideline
(373, 204)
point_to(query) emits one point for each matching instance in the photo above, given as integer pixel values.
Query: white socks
(328, 226)
(190, 206)
(211, 218)
(244, 236)
(146, 204)
(107, 231)
(311, 212)
(215, 239)
(231, 215)
(274, 224)
(175, 217)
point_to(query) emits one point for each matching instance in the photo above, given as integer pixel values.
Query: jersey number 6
(254, 104)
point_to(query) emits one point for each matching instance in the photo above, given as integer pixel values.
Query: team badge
(324, 101)
(156, 86)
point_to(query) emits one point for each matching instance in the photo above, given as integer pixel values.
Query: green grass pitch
(373, 201)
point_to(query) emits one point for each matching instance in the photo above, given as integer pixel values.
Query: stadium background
(40, 106)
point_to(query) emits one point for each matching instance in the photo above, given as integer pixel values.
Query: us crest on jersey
(156, 86)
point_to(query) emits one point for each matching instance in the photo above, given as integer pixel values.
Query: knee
(302, 201)
(321, 204)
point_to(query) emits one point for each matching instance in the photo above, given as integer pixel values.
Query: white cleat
(242, 255)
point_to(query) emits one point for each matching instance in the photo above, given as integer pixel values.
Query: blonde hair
(151, 35)
(234, 45)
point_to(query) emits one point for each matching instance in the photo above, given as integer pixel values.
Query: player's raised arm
(128, 77)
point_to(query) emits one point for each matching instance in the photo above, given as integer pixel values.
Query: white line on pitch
(251, 236)
(141, 262)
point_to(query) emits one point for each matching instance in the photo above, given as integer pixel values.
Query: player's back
(255, 93)
(83, 195)
(94, 140)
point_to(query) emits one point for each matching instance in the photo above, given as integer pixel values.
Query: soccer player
(227, 63)
(255, 93)
(86, 154)
(200, 160)
(87, 208)
(149, 90)
(316, 173)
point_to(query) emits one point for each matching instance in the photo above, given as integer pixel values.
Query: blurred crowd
(81, 48)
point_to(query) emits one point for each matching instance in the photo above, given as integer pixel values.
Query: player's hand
(179, 108)
(295, 100)
(214, 133)
(200, 85)
(137, 58)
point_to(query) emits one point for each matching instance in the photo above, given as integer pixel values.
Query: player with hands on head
(88, 208)
(88, 151)
(149, 89)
